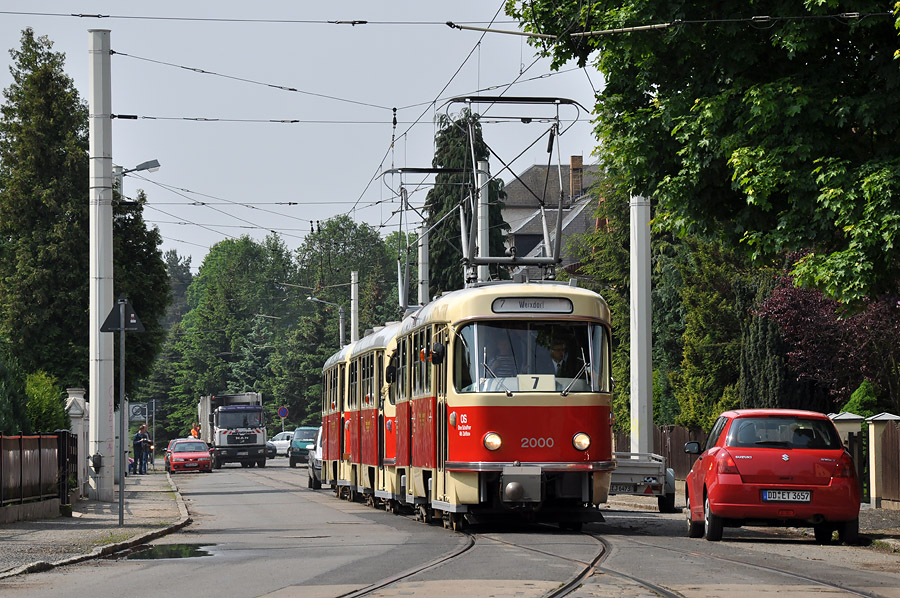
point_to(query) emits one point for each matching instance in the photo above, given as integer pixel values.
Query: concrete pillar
(877, 424)
(100, 367)
(641, 314)
(77, 408)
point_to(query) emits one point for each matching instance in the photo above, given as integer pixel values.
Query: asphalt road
(265, 534)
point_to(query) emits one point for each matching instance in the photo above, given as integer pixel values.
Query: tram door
(439, 378)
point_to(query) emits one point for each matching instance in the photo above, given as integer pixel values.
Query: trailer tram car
(495, 400)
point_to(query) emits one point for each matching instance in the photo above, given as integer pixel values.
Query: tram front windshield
(531, 356)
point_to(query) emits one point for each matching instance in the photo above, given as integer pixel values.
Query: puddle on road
(170, 551)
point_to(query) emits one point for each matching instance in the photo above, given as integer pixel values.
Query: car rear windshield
(783, 432)
(190, 447)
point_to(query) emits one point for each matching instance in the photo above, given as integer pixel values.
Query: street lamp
(119, 172)
(340, 314)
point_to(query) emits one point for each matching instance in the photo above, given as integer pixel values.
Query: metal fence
(37, 467)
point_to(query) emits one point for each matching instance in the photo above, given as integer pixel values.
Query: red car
(773, 467)
(188, 455)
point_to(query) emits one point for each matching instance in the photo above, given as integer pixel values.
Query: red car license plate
(786, 495)
(191, 464)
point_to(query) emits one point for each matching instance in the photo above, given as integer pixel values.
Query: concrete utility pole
(482, 177)
(424, 275)
(354, 306)
(641, 314)
(101, 430)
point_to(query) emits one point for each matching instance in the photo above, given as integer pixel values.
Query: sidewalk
(153, 508)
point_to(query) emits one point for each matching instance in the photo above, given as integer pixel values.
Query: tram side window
(352, 402)
(377, 373)
(402, 374)
(368, 380)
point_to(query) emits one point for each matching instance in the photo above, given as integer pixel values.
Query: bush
(863, 401)
(46, 409)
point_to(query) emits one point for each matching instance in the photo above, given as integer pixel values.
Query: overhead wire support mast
(403, 269)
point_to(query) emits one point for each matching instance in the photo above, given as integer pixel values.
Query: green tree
(453, 149)
(44, 270)
(326, 259)
(179, 270)
(768, 138)
(46, 408)
(43, 214)
(13, 418)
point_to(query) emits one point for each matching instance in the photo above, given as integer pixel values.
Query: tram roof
(376, 340)
(339, 356)
(477, 301)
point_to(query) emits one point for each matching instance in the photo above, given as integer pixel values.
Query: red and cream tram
(491, 400)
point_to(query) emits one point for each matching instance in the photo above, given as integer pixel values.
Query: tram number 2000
(537, 442)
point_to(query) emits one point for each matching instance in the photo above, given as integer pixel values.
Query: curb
(185, 520)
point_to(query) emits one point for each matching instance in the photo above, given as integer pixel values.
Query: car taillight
(725, 463)
(844, 467)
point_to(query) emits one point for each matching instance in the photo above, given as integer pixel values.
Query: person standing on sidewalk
(137, 445)
(141, 443)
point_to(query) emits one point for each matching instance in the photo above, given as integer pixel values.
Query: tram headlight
(581, 441)
(492, 441)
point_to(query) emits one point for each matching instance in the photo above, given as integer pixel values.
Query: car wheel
(694, 528)
(823, 533)
(316, 483)
(261, 463)
(666, 503)
(712, 524)
(293, 463)
(309, 480)
(848, 531)
(244, 464)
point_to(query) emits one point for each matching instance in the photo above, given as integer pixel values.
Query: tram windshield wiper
(585, 365)
(495, 377)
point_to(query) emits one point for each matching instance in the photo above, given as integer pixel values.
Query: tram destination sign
(541, 305)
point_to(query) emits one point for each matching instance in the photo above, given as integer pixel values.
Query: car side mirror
(692, 447)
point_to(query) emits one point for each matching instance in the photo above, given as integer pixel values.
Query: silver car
(315, 462)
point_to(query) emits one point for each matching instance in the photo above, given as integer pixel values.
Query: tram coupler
(520, 484)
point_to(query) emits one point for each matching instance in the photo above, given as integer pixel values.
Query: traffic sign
(132, 322)
(282, 412)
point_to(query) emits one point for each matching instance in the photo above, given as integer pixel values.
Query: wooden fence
(37, 467)
(890, 445)
(668, 441)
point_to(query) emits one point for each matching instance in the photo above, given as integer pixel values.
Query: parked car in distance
(168, 451)
(773, 467)
(304, 438)
(271, 451)
(282, 441)
(188, 455)
(315, 463)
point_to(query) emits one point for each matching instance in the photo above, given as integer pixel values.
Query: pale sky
(255, 177)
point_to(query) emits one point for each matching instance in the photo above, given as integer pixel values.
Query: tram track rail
(766, 568)
(589, 566)
(586, 568)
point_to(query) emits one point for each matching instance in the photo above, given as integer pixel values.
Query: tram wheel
(457, 521)
(424, 514)
(370, 501)
(352, 494)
